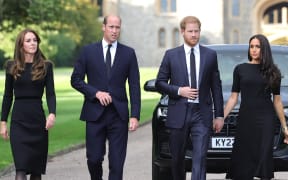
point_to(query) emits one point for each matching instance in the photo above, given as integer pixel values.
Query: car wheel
(161, 173)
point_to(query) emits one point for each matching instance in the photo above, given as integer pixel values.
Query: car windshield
(228, 59)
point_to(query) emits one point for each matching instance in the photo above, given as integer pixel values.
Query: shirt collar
(105, 44)
(187, 48)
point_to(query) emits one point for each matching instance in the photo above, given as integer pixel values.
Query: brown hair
(38, 67)
(189, 19)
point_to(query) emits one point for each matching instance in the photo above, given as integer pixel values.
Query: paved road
(72, 166)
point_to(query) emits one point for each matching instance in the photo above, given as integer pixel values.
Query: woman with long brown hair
(27, 75)
(258, 81)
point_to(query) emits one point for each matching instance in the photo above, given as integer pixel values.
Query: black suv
(220, 145)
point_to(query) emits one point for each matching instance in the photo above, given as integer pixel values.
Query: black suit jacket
(125, 67)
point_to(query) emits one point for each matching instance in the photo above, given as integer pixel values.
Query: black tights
(35, 177)
(21, 175)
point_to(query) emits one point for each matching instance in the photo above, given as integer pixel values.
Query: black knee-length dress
(253, 146)
(28, 136)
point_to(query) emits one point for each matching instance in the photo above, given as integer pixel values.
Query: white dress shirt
(112, 50)
(187, 50)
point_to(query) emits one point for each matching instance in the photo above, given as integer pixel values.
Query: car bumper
(214, 165)
(220, 163)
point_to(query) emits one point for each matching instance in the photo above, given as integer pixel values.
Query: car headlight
(162, 112)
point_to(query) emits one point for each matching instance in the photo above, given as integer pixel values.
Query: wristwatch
(285, 128)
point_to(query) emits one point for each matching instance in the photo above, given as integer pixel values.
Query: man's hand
(218, 124)
(188, 92)
(104, 98)
(133, 124)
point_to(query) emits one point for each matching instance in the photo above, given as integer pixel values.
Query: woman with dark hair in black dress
(27, 75)
(258, 81)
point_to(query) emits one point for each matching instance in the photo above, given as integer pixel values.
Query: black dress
(28, 136)
(253, 146)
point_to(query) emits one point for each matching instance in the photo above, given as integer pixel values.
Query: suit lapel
(202, 63)
(99, 56)
(116, 58)
(183, 64)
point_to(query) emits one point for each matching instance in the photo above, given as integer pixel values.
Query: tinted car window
(227, 60)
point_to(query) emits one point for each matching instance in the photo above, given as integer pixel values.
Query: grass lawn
(69, 130)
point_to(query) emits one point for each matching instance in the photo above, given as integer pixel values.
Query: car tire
(161, 173)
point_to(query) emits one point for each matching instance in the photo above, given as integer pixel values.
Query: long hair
(269, 70)
(38, 66)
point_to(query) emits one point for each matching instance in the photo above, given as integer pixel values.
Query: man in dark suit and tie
(107, 65)
(189, 75)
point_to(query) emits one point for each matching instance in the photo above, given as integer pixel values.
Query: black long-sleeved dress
(28, 136)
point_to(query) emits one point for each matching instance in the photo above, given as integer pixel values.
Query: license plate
(222, 142)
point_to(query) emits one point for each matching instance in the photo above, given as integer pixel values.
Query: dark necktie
(193, 70)
(108, 60)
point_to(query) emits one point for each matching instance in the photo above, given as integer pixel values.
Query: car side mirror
(150, 85)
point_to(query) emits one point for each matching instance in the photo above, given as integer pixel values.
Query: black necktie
(108, 60)
(193, 70)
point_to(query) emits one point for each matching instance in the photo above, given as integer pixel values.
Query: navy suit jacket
(173, 74)
(91, 65)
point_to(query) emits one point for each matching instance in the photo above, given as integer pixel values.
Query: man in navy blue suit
(189, 75)
(107, 65)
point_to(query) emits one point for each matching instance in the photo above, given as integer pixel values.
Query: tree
(64, 26)
(13, 11)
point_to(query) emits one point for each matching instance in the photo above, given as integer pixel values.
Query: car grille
(229, 128)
